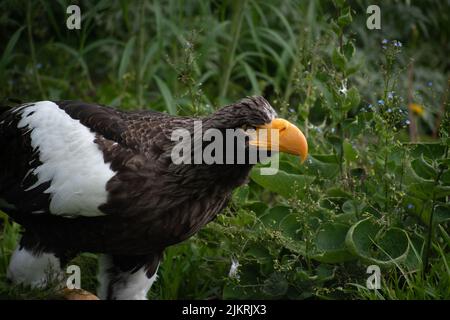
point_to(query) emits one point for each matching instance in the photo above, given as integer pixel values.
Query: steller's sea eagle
(82, 177)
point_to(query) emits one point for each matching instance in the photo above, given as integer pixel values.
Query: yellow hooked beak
(290, 138)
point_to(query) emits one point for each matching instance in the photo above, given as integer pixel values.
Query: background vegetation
(373, 104)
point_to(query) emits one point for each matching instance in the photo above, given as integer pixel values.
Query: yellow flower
(417, 109)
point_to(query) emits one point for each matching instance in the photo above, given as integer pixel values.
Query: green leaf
(322, 165)
(339, 3)
(427, 189)
(338, 193)
(275, 216)
(350, 153)
(290, 227)
(276, 285)
(339, 60)
(375, 246)
(442, 191)
(167, 95)
(441, 213)
(259, 208)
(260, 253)
(429, 150)
(349, 50)
(336, 141)
(353, 207)
(240, 195)
(285, 184)
(330, 244)
(126, 57)
(352, 99)
(358, 173)
(423, 169)
(8, 52)
(346, 18)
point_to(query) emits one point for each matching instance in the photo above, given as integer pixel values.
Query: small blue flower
(291, 110)
(333, 130)
(391, 95)
(363, 110)
(410, 206)
(407, 122)
(396, 43)
(381, 102)
(39, 65)
(385, 41)
(430, 84)
(370, 106)
(384, 47)
(389, 110)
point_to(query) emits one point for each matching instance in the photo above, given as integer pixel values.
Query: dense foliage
(373, 103)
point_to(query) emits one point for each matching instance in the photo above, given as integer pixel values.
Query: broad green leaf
(354, 207)
(418, 207)
(350, 153)
(290, 226)
(322, 165)
(285, 184)
(352, 99)
(330, 244)
(257, 207)
(274, 216)
(422, 190)
(260, 253)
(339, 193)
(441, 213)
(429, 150)
(423, 169)
(276, 285)
(336, 141)
(442, 191)
(375, 246)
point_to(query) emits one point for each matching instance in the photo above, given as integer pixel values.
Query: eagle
(84, 177)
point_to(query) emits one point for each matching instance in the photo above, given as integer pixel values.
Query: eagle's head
(256, 118)
(225, 145)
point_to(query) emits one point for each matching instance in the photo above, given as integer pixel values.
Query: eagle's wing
(58, 157)
(102, 120)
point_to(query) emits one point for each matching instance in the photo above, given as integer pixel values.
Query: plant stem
(430, 221)
(385, 180)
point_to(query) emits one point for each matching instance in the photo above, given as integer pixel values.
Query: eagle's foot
(78, 294)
